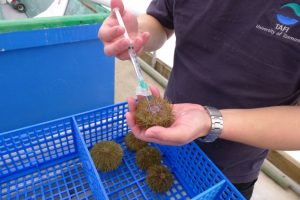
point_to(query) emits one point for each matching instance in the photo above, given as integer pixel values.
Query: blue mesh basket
(196, 177)
(51, 161)
(47, 161)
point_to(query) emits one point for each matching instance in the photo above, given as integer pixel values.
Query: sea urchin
(159, 178)
(107, 155)
(133, 143)
(148, 156)
(157, 112)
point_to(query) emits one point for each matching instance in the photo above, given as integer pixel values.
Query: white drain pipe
(153, 73)
(279, 177)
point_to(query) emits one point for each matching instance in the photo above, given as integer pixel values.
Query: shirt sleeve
(162, 10)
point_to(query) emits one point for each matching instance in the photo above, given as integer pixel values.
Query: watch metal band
(216, 125)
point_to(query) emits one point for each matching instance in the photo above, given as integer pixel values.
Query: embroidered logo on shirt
(287, 16)
(287, 20)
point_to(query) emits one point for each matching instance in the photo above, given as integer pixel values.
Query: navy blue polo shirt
(233, 54)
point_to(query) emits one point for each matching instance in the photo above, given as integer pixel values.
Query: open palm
(191, 122)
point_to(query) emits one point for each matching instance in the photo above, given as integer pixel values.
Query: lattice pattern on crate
(176, 192)
(129, 159)
(29, 147)
(127, 174)
(63, 181)
(129, 181)
(131, 192)
(229, 193)
(103, 124)
(195, 169)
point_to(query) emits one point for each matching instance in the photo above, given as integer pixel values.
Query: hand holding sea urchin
(107, 155)
(148, 156)
(133, 143)
(157, 112)
(159, 178)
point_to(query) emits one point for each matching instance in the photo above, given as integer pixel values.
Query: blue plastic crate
(47, 161)
(51, 161)
(196, 177)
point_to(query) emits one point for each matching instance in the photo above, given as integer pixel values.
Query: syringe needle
(143, 87)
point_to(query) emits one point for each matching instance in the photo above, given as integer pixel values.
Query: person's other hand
(111, 33)
(191, 122)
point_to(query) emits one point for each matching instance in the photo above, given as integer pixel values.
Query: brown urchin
(160, 113)
(133, 143)
(159, 178)
(107, 155)
(148, 156)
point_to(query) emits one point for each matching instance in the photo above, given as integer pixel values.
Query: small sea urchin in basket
(147, 157)
(159, 178)
(107, 155)
(133, 143)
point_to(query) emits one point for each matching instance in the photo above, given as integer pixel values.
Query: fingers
(142, 40)
(122, 54)
(117, 4)
(116, 48)
(170, 136)
(131, 104)
(155, 92)
(153, 140)
(119, 48)
(109, 33)
(131, 123)
(157, 132)
(145, 36)
(158, 135)
(143, 137)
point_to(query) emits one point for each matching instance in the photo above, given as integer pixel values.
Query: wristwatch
(216, 125)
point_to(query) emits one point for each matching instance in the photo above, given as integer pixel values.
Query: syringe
(142, 88)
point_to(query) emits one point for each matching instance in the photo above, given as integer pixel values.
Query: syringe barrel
(136, 65)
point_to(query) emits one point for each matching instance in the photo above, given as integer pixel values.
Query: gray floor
(267, 189)
(125, 84)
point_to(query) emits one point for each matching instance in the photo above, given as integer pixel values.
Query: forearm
(158, 33)
(273, 127)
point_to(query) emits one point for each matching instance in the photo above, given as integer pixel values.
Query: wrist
(216, 125)
(233, 120)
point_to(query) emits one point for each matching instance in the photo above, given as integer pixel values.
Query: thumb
(117, 4)
(157, 132)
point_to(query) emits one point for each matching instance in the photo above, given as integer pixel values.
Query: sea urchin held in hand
(157, 112)
(159, 178)
(107, 155)
(133, 143)
(148, 156)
